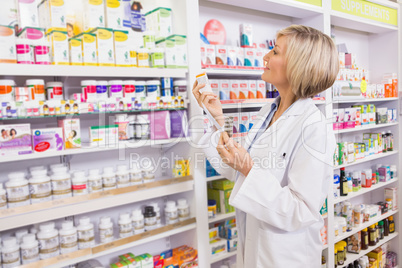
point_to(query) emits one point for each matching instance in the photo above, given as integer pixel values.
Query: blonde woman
(283, 172)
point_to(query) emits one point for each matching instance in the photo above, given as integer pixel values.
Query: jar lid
(180, 83)
(88, 83)
(121, 168)
(9, 242)
(7, 82)
(54, 84)
(67, 225)
(129, 82)
(84, 220)
(102, 83)
(28, 238)
(46, 226)
(93, 172)
(364, 230)
(170, 204)
(79, 174)
(211, 202)
(137, 213)
(149, 212)
(140, 83)
(105, 220)
(182, 203)
(125, 217)
(39, 172)
(58, 170)
(116, 82)
(108, 170)
(16, 175)
(153, 82)
(30, 82)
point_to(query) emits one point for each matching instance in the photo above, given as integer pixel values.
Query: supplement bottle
(171, 213)
(336, 256)
(372, 235)
(17, 190)
(183, 209)
(149, 218)
(381, 229)
(10, 253)
(142, 129)
(386, 227)
(106, 229)
(79, 183)
(135, 175)
(94, 181)
(61, 183)
(19, 234)
(384, 142)
(365, 239)
(211, 208)
(40, 187)
(109, 178)
(148, 173)
(122, 176)
(125, 226)
(341, 252)
(86, 233)
(343, 183)
(68, 237)
(336, 186)
(390, 141)
(29, 249)
(129, 89)
(391, 224)
(377, 233)
(140, 90)
(102, 91)
(48, 238)
(3, 197)
(88, 90)
(116, 89)
(53, 167)
(138, 221)
(350, 184)
(158, 213)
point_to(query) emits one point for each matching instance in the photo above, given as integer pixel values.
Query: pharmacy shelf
(295, 9)
(344, 20)
(351, 257)
(253, 103)
(214, 178)
(223, 256)
(88, 71)
(232, 72)
(368, 159)
(363, 128)
(361, 100)
(364, 191)
(22, 216)
(84, 150)
(364, 225)
(222, 216)
(114, 246)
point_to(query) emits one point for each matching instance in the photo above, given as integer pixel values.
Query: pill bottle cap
(9, 242)
(149, 212)
(94, 172)
(121, 168)
(171, 204)
(182, 203)
(28, 238)
(85, 220)
(108, 170)
(66, 225)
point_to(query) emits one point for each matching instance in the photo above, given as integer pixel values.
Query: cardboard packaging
(243, 89)
(122, 49)
(234, 89)
(94, 11)
(32, 33)
(354, 243)
(178, 124)
(59, 44)
(180, 45)
(89, 53)
(160, 125)
(52, 14)
(71, 133)
(15, 140)
(8, 53)
(210, 55)
(27, 13)
(261, 89)
(231, 56)
(252, 89)
(100, 136)
(114, 14)
(224, 90)
(47, 139)
(170, 52)
(75, 45)
(221, 55)
(159, 21)
(249, 57)
(104, 46)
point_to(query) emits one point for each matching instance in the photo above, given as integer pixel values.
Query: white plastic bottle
(19, 234)
(125, 226)
(48, 238)
(183, 209)
(29, 249)
(135, 175)
(17, 190)
(94, 181)
(148, 173)
(109, 178)
(79, 183)
(138, 221)
(106, 229)
(36, 168)
(171, 213)
(3, 197)
(10, 253)
(86, 233)
(40, 187)
(61, 183)
(122, 176)
(158, 214)
(56, 167)
(68, 237)
(34, 230)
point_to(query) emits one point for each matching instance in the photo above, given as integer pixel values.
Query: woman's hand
(234, 155)
(210, 101)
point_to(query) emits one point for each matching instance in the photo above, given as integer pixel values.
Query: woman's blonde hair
(312, 60)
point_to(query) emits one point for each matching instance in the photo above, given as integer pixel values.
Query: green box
(119, 264)
(343, 153)
(147, 261)
(223, 184)
(126, 257)
(222, 200)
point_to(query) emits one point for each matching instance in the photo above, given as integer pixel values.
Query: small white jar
(10, 253)
(86, 233)
(135, 175)
(68, 237)
(125, 225)
(138, 221)
(29, 249)
(48, 238)
(109, 178)
(106, 229)
(40, 187)
(20, 234)
(122, 176)
(17, 190)
(94, 181)
(148, 174)
(79, 183)
(3, 197)
(158, 213)
(61, 183)
(183, 209)
(171, 213)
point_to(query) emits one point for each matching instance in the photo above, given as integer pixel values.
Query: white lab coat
(278, 203)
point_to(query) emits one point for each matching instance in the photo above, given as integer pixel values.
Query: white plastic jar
(109, 178)
(86, 233)
(138, 221)
(40, 187)
(48, 238)
(17, 190)
(29, 249)
(148, 173)
(3, 197)
(116, 89)
(106, 229)
(171, 213)
(158, 213)
(94, 181)
(42, 52)
(19, 234)
(79, 183)
(53, 167)
(10, 253)
(7, 90)
(153, 89)
(129, 89)
(125, 225)
(183, 209)
(122, 176)
(180, 88)
(140, 90)
(88, 90)
(135, 175)
(61, 183)
(36, 89)
(102, 90)
(54, 90)
(68, 237)
(25, 51)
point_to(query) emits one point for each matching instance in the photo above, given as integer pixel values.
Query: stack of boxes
(223, 238)
(220, 191)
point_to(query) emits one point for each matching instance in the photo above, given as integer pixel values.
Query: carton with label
(104, 46)
(59, 47)
(122, 49)
(94, 11)
(15, 140)
(71, 133)
(47, 140)
(8, 53)
(114, 14)
(75, 45)
(52, 14)
(89, 54)
(159, 21)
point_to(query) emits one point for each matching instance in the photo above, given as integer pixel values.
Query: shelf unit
(364, 128)
(368, 159)
(362, 100)
(223, 256)
(222, 216)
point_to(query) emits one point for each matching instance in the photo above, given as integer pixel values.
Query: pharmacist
(283, 172)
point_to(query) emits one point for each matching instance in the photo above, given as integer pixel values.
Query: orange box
(387, 88)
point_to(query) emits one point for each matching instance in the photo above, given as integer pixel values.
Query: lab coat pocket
(281, 250)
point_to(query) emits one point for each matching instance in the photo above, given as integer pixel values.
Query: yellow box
(122, 49)
(52, 14)
(59, 43)
(89, 55)
(75, 45)
(104, 46)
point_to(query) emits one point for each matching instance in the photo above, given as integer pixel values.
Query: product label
(125, 230)
(123, 180)
(42, 55)
(153, 91)
(68, 242)
(143, 60)
(11, 259)
(17, 195)
(116, 90)
(136, 177)
(171, 217)
(183, 213)
(30, 254)
(109, 182)
(86, 238)
(95, 185)
(49, 247)
(140, 91)
(106, 235)
(150, 221)
(40, 190)
(3, 202)
(138, 225)
(61, 188)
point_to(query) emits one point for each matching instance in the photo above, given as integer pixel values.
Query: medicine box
(350, 118)
(180, 44)
(89, 54)
(231, 232)
(222, 200)
(210, 54)
(222, 184)
(59, 47)
(215, 86)
(159, 125)
(100, 136)
(231, 56)
(252, 89)
(71, 132)
(75, 45)
(104, 46)
(249, 57)
(258, 58)
(246, 35)
(354, 243)
(243, 89)
(147, 261)
(232, 245)
(8, 13)
(261, 89)
(27, 13)
(224, 90)
(47, 139)
(218, 246)
(234, 89)
(221, 55)
(210, 171)
(8, 53)
(178, 124)
(159, 20)
(114, 14)
(33, 33)
(240, 56)
(170, 52)
(94, 11)
(244, 123)
(203, 54)
(392, 193)
(122, 49)
(52, 14)
(15, 140)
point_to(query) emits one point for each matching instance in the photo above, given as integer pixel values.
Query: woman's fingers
(207, 96)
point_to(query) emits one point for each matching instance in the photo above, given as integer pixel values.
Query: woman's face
(275, 65)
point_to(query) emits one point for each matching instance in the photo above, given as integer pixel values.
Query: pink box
(338, 116)
(160, 125)
(349, 120)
